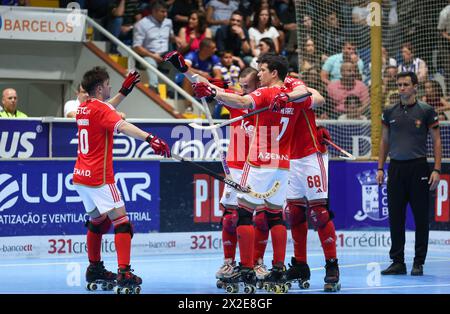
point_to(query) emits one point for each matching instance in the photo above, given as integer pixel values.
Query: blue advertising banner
(23, 138)
(39, 198)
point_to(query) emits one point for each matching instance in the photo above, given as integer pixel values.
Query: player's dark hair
(412, 75)
(157, 5)
(93, 78)
(276, 62)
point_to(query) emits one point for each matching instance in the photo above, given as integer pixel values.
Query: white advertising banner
(42, 24)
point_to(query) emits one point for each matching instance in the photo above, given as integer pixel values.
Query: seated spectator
(409, 63)
(180, 10)
(9, 104)
(394, 98)
(203, 62)
(151, 38)
(434, 96)
(262, 27)
(230, 71)
(331, 38)
(309, 57)
(352, 109)
(189, 37)
(123, 15)
(265, 45)
(71, 106)
(234, 37)
(442, 116)
(389, 83)
(347, 85)
(331, 70)
(218, 13)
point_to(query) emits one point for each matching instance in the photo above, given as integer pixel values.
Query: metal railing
(133, 54)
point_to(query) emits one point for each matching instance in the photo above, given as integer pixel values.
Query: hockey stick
(347, 156)
(228, 122)
(231, 183)
(223, 157)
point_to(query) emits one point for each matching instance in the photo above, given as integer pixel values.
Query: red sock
(122, 242)
(94, 246)
(327, 235)
(260, 243)
(229, 241)
(300, 236)
(246, 240)
(279, 240)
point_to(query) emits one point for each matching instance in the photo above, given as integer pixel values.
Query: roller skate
(225, 270)
(331, 279)
(261, 273)
(298, 271)
(241, 275)
(276, 280)
(97, 275)
(127, 282)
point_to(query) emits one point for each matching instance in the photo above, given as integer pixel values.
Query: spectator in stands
(265, 45)
(234, 37)
(331, 70)
(190, 36)
(352, 109)
(331, 38)
(203, 62)
(218, 13)
(123, 15)
(179, 12)
(309, 57)
(98, 11)
(444, 45)
(9, 104)
(361, 30)
(71, 106)
(347, 85)
(389, 86)
(413, 64)
(151, 39)
(434, 96)
(230, 71)
(262, 27)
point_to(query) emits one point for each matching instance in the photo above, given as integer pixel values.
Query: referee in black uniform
(404, 137)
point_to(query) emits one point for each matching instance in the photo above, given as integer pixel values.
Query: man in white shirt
(70, 107)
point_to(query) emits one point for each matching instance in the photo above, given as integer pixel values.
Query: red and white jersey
(305, 141)
(96, 121)
(240, 136)
(271, 143)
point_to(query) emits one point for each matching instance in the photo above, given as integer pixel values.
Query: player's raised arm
(232, 100)
(127, 86)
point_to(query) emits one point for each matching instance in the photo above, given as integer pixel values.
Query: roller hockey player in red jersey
(268, 161)
(93, 178)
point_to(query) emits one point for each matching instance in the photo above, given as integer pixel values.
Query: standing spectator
(234, 37)
(444, 45)
(179, 12)
(151, 38)
(70, 107)
(190, 36)
(347, 85)
(9, 103)
(262, 27)
(218, 13)
(265, 45)
(413, 64)
(331, 70)
(352, 109)
(404, 137)
(123, 15)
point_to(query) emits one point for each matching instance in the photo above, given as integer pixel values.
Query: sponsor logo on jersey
(272, 156)
(374, 197)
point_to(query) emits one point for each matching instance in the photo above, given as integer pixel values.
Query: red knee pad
(319, 216)
(260, 221)
(229, 221)
(295, 214)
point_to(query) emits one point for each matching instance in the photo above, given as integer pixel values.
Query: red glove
(177, 60)
(132, 79)
(159, 146)
(219, 83)
(204, 90)
(279, 102)
(322, 133)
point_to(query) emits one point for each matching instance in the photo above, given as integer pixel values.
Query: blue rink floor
(194, 274)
